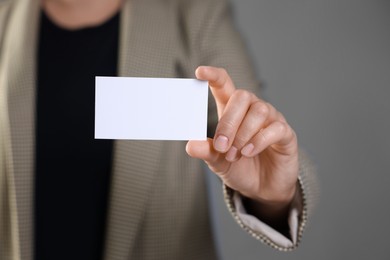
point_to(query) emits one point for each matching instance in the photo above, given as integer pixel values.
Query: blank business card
(150, 108)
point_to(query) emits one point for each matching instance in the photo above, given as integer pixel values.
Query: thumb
(204, 150)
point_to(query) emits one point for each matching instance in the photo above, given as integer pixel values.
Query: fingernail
(221, 144)
(247, 150)
(231, 154)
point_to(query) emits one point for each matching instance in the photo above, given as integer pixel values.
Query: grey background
(326, 66)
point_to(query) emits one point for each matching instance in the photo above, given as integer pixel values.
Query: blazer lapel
(19, 72)
(136, 163)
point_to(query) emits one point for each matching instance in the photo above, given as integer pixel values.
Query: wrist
(271, 210)
(275, 199)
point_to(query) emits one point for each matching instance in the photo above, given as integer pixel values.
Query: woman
(67, 196)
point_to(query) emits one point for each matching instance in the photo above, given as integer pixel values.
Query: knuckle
(223, 71)
(242, 94)
(222, 80)
(281, 127)
(270, 106)
(260, 109)
(222, 77)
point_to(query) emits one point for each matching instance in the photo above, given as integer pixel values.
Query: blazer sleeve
(216, 42)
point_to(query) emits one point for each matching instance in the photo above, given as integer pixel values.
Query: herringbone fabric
(158, 202)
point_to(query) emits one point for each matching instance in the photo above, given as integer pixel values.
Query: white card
(150, 108)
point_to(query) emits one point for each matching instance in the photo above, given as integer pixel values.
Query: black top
(72, 168)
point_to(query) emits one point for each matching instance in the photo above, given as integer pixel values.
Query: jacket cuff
(264, 232)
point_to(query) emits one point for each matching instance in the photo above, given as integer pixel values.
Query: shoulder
(191, 6)
(5, 6)
(201, 6)
(5, 10)
(198, 14)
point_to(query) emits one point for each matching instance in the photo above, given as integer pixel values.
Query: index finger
(221, 85)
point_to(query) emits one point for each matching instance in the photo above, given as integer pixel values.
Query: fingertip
(188, 148)
(197, 72)
(200, 72)
(247, 150)
(201, 149)
(232, 155)
(221, 144)
(195, 148)
(206, 72)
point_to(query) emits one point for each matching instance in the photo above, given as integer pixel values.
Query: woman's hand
(254, 150)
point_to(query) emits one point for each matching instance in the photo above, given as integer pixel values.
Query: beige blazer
(158, 203)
